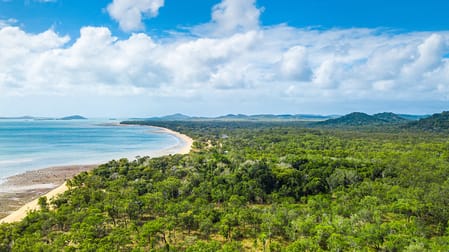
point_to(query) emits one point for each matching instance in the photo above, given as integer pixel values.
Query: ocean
(34, 144)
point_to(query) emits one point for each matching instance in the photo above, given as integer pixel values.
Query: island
(73, 117)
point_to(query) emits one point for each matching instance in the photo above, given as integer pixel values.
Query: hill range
(435, 122)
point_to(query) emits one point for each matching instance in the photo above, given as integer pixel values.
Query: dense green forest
(256, 187)
(362, 119)
(436, 122)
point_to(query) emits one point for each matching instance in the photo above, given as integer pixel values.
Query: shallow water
(34, 144)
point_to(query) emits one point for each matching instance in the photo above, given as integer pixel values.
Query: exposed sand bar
(20, 193)
(20, 213)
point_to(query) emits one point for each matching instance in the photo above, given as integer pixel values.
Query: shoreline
(19, 193)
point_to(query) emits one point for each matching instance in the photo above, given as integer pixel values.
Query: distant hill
(284, 117)
(73, 117)
(17, 118)
(241, 117)
(436, 122)
(390, 117)
(358, 119)
(174, 117)
(352, 119)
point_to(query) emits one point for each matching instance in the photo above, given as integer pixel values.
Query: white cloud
(427, 57)
(231, 16)
(253, 64)
(326, 75)
(129, 14)
(383, 85)
(201, 61)
(7, 22)
(294, 64)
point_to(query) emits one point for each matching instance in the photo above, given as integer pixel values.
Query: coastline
(183, 147)
(19, 193)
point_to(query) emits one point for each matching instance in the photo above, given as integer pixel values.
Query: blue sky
(203, 57)
(405, 15)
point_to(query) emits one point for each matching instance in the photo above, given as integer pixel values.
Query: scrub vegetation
(256, 186)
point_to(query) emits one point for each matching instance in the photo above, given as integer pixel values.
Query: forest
(256, 186)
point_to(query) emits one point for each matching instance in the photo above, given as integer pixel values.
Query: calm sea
(33, 144)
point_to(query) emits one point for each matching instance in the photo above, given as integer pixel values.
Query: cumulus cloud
(294, 64)
(247, 61)
(231, 16)
(129, 14)
(427, 57)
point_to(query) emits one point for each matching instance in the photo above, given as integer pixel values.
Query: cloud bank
(236, 60)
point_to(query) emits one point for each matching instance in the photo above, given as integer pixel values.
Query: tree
(43, 204)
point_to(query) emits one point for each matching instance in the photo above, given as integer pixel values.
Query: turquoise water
(33, 144)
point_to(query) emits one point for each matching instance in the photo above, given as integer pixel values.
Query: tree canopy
(255, 187)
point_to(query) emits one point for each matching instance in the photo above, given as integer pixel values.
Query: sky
(121, 58)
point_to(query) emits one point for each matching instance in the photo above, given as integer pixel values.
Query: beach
(19, 193)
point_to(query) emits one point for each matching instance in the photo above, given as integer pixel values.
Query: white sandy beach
(49, 182)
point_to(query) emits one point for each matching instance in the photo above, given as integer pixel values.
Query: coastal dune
(20, 193)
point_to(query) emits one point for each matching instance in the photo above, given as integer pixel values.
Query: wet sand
(25, 187)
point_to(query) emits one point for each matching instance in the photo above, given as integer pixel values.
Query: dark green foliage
(389, 117)
(358, 119)
(353, 119)
(437, 122)
(256, 187)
